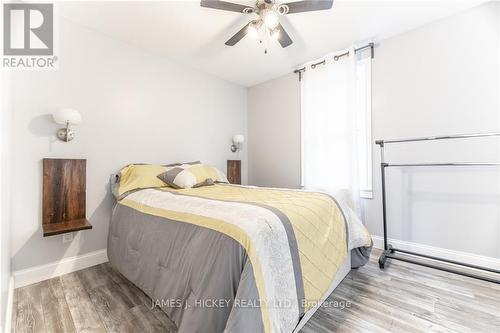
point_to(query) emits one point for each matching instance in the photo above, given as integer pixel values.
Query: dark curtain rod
(336, 58)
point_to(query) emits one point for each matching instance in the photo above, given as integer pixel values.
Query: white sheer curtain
(329, 129)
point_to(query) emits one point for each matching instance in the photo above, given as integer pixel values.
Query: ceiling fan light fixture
(270, 18)
(283, 9)
(253, 29)
(274, 34)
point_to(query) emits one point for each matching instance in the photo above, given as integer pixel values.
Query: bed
(230, 258)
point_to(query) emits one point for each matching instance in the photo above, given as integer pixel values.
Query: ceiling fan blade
(224, 5)
(308, 6)
(284, 39)
(238, 36)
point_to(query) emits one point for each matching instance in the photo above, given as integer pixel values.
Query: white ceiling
(195, 36)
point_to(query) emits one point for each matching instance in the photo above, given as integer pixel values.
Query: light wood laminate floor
(402, 298)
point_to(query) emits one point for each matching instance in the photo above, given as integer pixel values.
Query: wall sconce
(66, 117)
(238, 139)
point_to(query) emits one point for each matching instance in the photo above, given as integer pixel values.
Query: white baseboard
(465, 257)
(8, 310)
(36, 274)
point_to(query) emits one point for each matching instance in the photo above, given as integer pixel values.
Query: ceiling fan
(268, 12)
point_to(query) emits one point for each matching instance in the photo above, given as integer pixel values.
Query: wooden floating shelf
(64, 192)
(234, 171)
(64, 227)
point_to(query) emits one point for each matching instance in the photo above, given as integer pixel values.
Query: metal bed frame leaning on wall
(390, 252)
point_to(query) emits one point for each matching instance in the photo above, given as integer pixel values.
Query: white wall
(5, 218)
(135, 107)
(442, 78)
(273, 124)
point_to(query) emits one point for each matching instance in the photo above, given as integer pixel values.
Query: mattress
(229, 258)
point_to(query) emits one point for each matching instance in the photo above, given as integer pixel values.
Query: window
(336, 127)
(363, 109)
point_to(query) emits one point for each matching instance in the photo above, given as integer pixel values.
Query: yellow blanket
(317, 222)
(315, 234)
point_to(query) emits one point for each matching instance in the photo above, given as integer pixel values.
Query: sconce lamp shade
(238, 139)
(67, 116)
